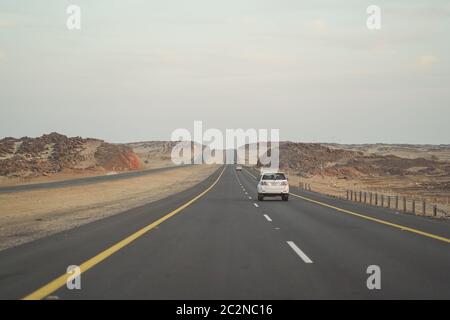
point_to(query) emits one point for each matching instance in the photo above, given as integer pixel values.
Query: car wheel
(285, 197)
(260, 197)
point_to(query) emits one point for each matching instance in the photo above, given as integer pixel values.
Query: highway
(216, 241)
(84, 181)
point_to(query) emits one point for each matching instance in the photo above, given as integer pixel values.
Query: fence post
(424, 208)
(396, 202)
(365, 197)
(370, 196)
(347, 195)
(389, 201)
(435, 210)
(414, 206)
(404, 204)
(376, 199)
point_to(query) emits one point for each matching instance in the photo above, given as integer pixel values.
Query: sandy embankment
(388, 186)
(26, 216)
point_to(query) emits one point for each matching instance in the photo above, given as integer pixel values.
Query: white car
(238, 168)
(273, 184)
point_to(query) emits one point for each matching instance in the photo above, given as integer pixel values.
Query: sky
(137, 70)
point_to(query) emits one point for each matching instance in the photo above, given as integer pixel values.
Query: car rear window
(274, 176)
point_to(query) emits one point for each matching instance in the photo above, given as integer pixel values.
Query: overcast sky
(139, 69)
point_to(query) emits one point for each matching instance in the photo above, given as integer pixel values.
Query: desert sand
(26, 216)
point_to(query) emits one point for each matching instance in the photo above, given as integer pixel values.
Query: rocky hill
(54, 153)
(309, 159)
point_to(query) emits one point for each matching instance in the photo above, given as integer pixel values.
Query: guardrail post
(424, 208)
(347, 195)
(435, 210)
(382, 200)
(396, 202)
(404, 204)
(389, 201)
(365, 197)
(370, 198)
(376, 199)
(414, 206)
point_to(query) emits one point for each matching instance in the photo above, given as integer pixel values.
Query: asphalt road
(84, 181)
(226, 245)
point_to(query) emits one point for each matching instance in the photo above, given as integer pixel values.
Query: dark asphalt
(84, 181)
(224, 247)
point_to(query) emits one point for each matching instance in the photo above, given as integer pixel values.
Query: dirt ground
(409, 187)
(26, 216)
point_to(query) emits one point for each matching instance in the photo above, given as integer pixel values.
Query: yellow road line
(387, 223)
(422, 233)
(61, 280)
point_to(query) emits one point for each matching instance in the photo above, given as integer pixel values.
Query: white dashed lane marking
(299, 252)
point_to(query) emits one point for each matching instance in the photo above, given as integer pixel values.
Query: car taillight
(284, 183)
(263, 183)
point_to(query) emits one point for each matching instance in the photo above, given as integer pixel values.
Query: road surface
(215, 241)
(84, 181)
